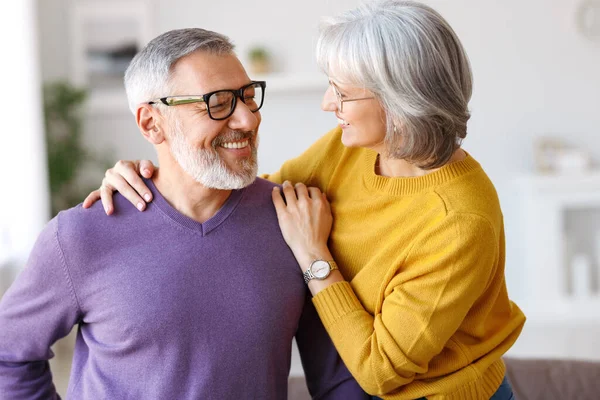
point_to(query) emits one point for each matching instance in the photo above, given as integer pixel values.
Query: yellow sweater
(424, 310)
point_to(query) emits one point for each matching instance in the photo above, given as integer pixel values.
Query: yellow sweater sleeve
(311, 166)
(449, 265)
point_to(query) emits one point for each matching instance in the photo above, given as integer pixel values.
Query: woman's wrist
(306, 257)
(315, 285)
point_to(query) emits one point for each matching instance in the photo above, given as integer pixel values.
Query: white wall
(24, 197)
(289, 28)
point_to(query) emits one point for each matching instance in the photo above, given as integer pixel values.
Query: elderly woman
(398, 230)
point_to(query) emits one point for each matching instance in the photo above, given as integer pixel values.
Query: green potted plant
(260, 60)
(67, 155)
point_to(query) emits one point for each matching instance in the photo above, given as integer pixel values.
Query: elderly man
(207, 304)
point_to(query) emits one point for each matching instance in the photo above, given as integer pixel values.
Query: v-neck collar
(204, 228)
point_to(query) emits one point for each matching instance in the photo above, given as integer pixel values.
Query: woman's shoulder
(329, 145)
(472, 192)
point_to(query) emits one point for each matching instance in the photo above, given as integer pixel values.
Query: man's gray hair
(149, 73)
(412, 60)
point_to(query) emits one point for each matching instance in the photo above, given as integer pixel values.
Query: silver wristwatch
(319, 269)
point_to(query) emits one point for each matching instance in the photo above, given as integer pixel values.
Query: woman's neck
(400, 168)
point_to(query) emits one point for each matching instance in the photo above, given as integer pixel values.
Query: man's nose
(242, 118)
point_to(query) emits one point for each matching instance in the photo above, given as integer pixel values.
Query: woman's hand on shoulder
(305, 220)
(124, 178)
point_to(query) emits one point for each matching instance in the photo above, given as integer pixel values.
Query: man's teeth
(235, 145)
(342, 122)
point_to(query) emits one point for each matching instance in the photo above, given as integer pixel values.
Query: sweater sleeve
(38, 309)
(447, 268)
(326, 375)
(311, 167)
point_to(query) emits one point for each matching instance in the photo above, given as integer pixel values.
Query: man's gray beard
(207, 167)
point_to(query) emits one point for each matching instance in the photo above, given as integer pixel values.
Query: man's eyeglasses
(221, 104)
(341, 100)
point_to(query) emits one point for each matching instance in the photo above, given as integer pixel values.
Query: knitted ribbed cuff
(335, 302)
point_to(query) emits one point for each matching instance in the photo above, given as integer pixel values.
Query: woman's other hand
(124, 178)
(305, 220)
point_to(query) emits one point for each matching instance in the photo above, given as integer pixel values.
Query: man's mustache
(232, 136)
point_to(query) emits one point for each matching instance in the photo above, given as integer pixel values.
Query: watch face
(320, 269)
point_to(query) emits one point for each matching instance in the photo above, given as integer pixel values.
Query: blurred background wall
(534, 127)
(24, 206)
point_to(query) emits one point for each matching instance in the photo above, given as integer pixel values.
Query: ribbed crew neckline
(403, 186)
(203, 228)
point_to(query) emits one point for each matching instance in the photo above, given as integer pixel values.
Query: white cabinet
(561, 247)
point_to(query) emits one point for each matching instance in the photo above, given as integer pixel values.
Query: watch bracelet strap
(307, 276)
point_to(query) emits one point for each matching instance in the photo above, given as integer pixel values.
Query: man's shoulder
(260, 189)
(78, 222)
(67, 228)
(263, 185)
(258, 197)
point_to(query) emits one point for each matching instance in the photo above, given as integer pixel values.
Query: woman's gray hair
(411, 59)
(149, 73)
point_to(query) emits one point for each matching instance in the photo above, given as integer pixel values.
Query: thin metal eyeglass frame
(341, 101)
(204, 98)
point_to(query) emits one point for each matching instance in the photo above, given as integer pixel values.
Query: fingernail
(147, 197)
(285, 183)
(140, 206)
(146, 171)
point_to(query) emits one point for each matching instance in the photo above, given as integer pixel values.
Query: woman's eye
(340, 94)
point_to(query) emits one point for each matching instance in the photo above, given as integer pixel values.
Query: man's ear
(151, 123)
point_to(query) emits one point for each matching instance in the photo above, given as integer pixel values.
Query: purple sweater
(166, 307)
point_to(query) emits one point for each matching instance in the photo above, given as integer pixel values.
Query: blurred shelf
(565, 310)
(293, 82)
(107, 101)
(588, 181)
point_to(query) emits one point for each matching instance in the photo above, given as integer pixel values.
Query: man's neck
(187, 196)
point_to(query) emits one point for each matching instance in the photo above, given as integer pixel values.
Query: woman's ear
(150, 122)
